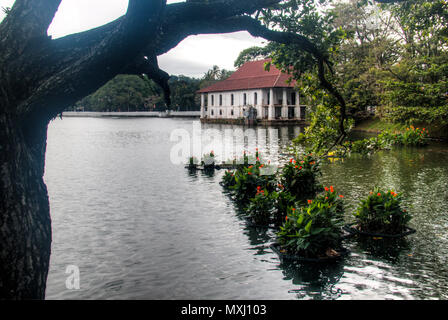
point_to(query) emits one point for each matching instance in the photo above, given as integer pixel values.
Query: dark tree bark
(40, 77)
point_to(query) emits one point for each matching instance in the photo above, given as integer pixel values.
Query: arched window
(213, 100)
(255, 99)
(220, 99)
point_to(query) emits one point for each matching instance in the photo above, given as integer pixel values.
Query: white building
(252, 91)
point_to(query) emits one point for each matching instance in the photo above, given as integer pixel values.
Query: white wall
(238, 105)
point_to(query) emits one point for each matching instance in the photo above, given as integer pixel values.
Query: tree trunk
(25, 225)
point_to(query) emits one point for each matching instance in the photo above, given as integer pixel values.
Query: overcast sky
(192, 57)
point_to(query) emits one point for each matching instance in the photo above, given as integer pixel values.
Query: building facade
(252, 92)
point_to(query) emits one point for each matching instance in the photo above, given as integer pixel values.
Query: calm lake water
(141, 227)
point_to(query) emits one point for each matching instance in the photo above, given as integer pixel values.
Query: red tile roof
(252, 75)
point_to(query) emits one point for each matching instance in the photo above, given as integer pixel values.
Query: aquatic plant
(299, 177)
(313, 230)
(381, 212)
(260, 207)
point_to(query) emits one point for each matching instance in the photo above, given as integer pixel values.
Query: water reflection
(314, 280)
(230, 141)
(389, 250)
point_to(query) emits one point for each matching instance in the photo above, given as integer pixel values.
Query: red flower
(341, 196)
(310, 201)
(331, 189)
(296, 167)
(249, 173)
(300, 168)
(326, 189)
(378, 194)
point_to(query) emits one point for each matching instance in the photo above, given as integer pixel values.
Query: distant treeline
(134, 93)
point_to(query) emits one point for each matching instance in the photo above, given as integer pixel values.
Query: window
(269, 98)
(220, 112)
(220, 99)
(255, 98)
(232, 100)
(245, 99)
(231, 112)
(212, 112)
(213, 100)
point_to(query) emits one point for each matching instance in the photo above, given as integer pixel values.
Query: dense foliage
(381, 212)
(390, 60)
(314, 230)
(134, 93)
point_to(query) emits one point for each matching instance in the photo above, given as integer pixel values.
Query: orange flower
(261, 166)
(250, 167)
(249, 173)
(296, 167)
(331, 189)
(326, 198)
(290, 160)
(286, 218)
(310, 201)
(293, 209)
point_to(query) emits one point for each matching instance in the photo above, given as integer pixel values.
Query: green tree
(416, 87)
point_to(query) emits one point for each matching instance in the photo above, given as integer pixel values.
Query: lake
(140, 226)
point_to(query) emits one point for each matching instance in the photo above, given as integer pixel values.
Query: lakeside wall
(140, 114)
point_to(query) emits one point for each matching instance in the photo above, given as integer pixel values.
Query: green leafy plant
(260, 207)
(247, 179)
(381, 212)
(208, 160)
(192, 162)
(314, 230)
(299, 177)
(282, 200)
(414, 137)
(228, 179)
